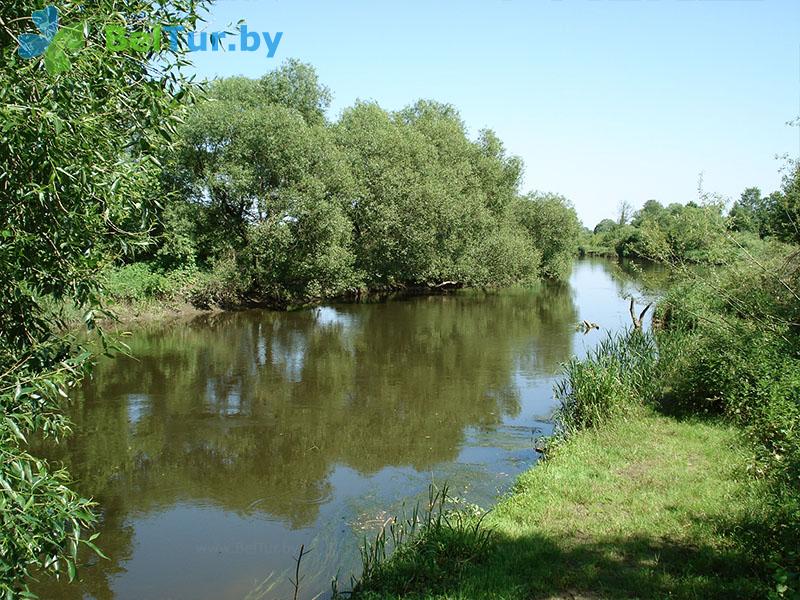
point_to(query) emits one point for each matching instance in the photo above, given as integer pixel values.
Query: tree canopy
(703, 232)
(302, 208)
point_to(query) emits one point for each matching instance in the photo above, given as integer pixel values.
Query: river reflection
(227, 441)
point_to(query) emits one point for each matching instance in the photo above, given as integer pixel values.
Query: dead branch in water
(637, 321)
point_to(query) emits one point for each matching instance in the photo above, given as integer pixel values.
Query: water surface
(226, 442)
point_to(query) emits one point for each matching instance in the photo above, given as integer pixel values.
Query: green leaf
(95, 549)
(55, 61)
(13, 426)
(69, 38)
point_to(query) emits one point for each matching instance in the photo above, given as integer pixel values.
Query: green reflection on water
(275, 424)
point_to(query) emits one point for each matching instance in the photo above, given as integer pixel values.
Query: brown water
(228, 441)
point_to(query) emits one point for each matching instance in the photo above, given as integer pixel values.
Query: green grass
(644, 507)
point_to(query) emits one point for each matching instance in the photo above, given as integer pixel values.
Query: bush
(553, 225)
(301, 255)
(223, 285)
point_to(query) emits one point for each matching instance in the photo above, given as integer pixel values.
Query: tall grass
(614, 378)
(423, 550)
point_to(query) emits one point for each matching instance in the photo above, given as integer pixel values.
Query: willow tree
(80, 127)
(268, 184)
(430, 205)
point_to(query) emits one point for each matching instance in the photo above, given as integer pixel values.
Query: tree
(251, 149)
(296, 85)
(652, 209)
(430, 204)
(605, 226)
(553, 224)
(749, 213)
(691, 233)
(624, 211)
(784, 208)
(77, 173)
(406, 197)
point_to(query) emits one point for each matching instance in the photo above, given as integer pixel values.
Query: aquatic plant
(615, 377)
(431, 545)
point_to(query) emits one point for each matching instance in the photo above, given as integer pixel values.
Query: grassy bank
(142, 292)
(137, 294)
(674, 472)
(647, 506)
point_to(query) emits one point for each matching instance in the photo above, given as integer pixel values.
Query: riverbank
(647, 506)
(134, 304)
(631, 502)
(122, 314)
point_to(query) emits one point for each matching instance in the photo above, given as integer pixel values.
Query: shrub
(553, 225)
(134, 282)
(140, 282)
(302, 255)
(224, 285)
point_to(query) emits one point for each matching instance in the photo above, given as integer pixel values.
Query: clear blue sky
(604, 100)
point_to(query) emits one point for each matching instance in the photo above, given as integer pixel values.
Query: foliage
(295, 85)
(605, 226)
(776, 215)
(302, 255)
(739, 349)
(690, 233)
(784, 207)
(749, 212)
(551, 222)
(77, 175)
(177, 231)
(141, 281)
(308, 209)
(249, 160)
(702, 233)
(428, 203)
(617, 376)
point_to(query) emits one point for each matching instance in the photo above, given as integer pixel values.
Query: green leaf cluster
(80, 134)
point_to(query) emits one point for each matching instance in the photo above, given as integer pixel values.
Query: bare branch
(641, 315)
(637, 321)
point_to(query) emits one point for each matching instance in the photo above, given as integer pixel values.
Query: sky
(604, 100)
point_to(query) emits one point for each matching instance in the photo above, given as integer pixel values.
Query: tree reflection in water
(237, 436)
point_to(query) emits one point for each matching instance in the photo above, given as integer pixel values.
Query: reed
(432, 544)
(618, 375)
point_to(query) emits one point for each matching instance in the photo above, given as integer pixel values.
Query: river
(225, 442)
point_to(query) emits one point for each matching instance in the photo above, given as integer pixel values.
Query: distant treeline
(700, 233)
(268, 200)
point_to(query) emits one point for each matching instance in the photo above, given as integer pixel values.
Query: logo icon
(52, 41)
